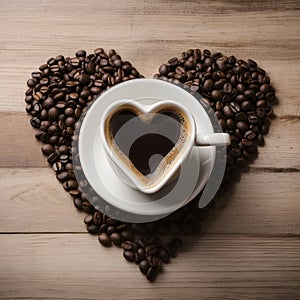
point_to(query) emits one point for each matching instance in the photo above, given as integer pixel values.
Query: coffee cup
(147, 141)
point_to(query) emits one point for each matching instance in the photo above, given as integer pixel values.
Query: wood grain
(72, 266)
(251, 207)
(250, 245)
(142, 35)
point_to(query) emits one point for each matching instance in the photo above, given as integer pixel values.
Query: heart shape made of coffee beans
(237, 90)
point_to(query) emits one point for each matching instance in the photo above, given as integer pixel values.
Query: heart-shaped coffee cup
(148, 142)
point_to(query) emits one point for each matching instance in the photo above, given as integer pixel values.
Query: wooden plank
(73, 266)
(25, 43)
(36, 202)
(282, 149)
(262, 203)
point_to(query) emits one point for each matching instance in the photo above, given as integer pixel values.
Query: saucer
(103, 179)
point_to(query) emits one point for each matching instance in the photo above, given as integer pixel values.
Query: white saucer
(101, 176)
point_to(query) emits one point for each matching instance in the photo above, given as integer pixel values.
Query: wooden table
(250, 247)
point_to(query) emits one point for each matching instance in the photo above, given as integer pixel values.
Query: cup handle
(213, 139)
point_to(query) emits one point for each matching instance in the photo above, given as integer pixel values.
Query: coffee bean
(47, 149)
(216, 94)
(240, 99)
(247, 106)
(208, 85)
(62, 176)
(52, 158)
(152, 273)
(241, 116)
(264, 129)
(164, 255)
(93, 229)
(260, 139)
(265, 88)
(53, 113)
(234, 107)
(227, 88)
(128, 255)
(228, 111)
(104, 239)
(111, 229)
(127, 235)
(77, 203)
(88, 219)
(35, 122)
(63, 149)
(144, 266)
(84, 79)
(242, 126)
(31, 83)
(151, 249)
(139, 255)
(80, 53)
(42, 136)
(116, 238)
(128, 245)
(171, 249)
(97, 218)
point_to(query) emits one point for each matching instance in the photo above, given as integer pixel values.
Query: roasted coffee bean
(103, 228)
(42, 136)
(164, 255)
(151, 249)
(88, 219)
(93, 229)
(216, 94)
(87, 207)
(35, 122)
(234, 107)
(171, 249)
(265, 88)
(62, 176)
(77, 203)
(227, 88)
(52, 158)
(139, 255)
(154, 261)
(116, 238)
(111, 229)
(127, 235)
(104, 239)
(47, 149)
(228, 111)
(152, 273)
(128, 245)
(144, 266)
(80, 53)
(97, 218)
(246, 142)
(242, 126)
(57, 167)
(260, 139)
(208, 85)
(250, 135)
(128, 255)
(247, 106)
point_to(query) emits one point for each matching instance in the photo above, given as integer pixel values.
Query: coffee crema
(148, 143)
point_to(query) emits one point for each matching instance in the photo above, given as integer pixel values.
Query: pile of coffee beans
(238, 91)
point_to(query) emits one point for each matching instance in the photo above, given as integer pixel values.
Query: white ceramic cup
(169, 168)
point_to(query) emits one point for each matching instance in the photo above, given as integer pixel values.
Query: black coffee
(145, 143)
